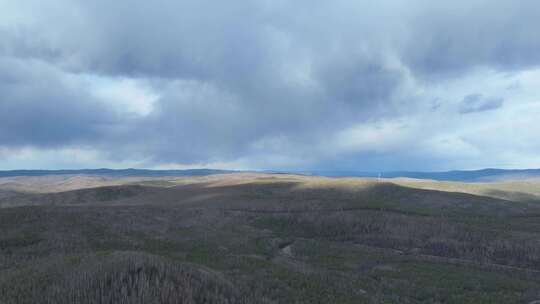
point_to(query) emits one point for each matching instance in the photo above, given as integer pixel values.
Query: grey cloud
(202, 39)
(234, 75)
(478, 103)
(38, 108)
(448, 38)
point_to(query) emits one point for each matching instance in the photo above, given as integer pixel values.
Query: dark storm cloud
(205, 40)
(478, 103)
(37, 108)
(241, 77)
(451, 37)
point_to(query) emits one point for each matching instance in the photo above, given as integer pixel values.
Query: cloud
(452, 38)
(40, 107)
(478, 103)
(266, 84)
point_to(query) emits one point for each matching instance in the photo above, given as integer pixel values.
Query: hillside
(514, 190)
(262, 238)
(483, 175)
(114, 172)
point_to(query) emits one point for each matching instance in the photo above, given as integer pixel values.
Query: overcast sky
(270, 84)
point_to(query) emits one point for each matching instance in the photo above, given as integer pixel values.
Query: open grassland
(514, 190)
(256, 238)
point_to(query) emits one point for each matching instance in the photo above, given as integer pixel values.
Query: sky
(381, 85)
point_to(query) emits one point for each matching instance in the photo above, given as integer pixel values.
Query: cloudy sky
(270, 84)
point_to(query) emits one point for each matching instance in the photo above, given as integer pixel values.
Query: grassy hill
(258, 238)
(513, 190)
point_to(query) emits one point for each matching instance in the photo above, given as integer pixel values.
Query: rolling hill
(484, 175)
(264, 238)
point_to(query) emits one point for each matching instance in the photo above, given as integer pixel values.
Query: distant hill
(115, 172)
(484, 175)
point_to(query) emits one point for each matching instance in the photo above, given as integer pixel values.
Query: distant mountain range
(115, 172)
(484, 175)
